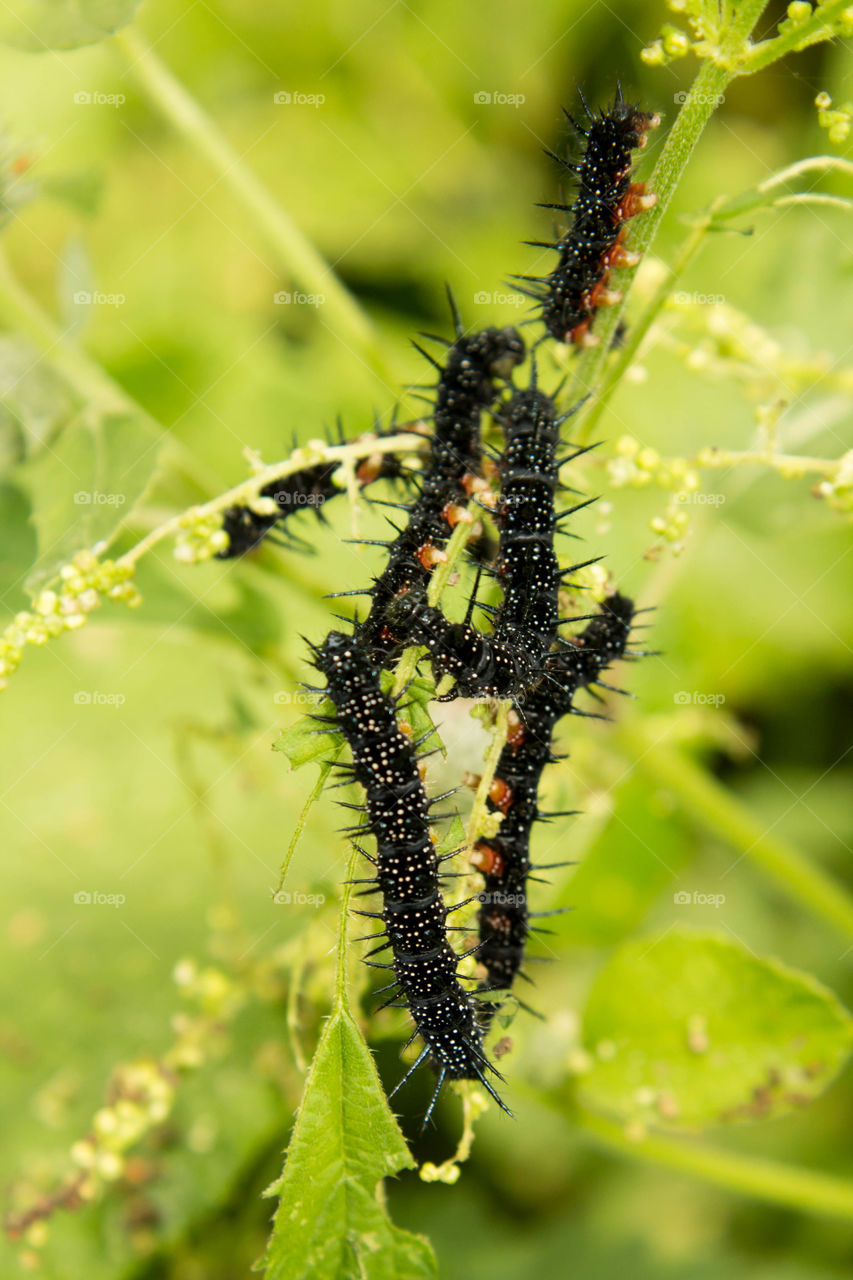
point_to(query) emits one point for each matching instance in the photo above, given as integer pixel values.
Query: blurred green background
(403, 180)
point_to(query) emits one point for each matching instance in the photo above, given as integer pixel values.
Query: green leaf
(330, 1224)
(689, 1030)
(632, 861)
(35, 404)
(85, 485)
(301, 743)
(37, 25)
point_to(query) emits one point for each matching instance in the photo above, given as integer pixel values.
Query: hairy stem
(800, 1189)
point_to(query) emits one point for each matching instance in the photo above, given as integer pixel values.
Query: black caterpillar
(414, 915)
(606, 198)
(311, 487)
(466, 388)
(502, 664)
(504, 859)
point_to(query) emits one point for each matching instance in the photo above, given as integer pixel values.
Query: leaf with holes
(692, 1030)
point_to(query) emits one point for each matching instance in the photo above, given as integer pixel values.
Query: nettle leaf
(85, 485)
(330, 1223)
(301, 743)
(692, 1030)
(37, 25)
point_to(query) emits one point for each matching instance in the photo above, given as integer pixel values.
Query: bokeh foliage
(172, 798)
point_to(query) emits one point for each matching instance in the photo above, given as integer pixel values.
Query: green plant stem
(479, 810)
(313, 796)
(410, 657)
(294, 251)
(640, 328)
(699, 106)
(711, 804)
(345, 951)
(685, 133)
(817, 28)
(800, 1189)
(246, 490)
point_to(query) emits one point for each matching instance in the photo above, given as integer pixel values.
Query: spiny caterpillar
(504, 859)
(310, 487)
(466, 387)
(525, 624)
(413, 915)
(593, 244)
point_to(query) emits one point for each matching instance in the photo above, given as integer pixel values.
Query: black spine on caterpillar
(414, 915)
(466, 388)
(504, 859)
(593, 244)
(501, 664)
(311, 487)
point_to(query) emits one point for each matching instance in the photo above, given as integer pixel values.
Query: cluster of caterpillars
(523, 656)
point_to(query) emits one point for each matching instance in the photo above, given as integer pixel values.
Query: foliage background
(403, 180)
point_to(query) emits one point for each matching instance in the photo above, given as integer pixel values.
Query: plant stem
(248, 489)
(800, 1189)
(691, 120)
(345, 951)
(700, 104)
(343, 314)
(640, 328)
(313, 796)
(711, 804)
(796, 38)
(478, 809)
(439, 579)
